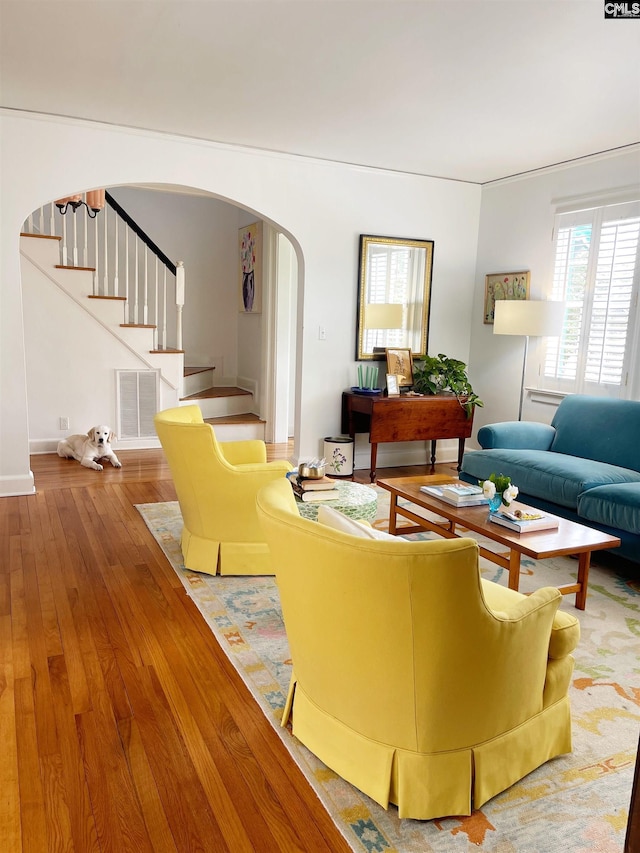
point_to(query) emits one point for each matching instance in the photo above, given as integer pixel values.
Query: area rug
(577, 802)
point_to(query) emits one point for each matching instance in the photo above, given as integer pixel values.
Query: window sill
(546, 396)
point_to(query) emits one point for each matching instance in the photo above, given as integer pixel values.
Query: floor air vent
(137, 402)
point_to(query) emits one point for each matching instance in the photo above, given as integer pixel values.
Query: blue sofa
(585, 466)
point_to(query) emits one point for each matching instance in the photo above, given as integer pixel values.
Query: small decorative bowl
(308, 472)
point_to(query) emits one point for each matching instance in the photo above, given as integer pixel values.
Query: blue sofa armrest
(516, 435)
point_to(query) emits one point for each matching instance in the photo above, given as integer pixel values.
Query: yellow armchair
(415, 680)
(216, 483)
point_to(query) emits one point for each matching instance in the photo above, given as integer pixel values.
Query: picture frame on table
(400, 363)
(393, 389)
(504, 285)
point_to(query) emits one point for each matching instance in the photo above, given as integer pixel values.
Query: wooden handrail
(157, 251)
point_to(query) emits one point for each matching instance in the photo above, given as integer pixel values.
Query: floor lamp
(529, 318)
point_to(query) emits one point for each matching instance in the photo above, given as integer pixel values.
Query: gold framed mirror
(394, 295)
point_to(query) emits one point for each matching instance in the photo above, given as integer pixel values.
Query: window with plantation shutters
(596, 272)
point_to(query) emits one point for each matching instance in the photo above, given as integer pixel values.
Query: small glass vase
(494, 503)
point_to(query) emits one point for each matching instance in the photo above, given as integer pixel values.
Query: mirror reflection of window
(395, 278)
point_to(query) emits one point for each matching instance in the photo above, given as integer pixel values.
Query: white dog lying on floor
(87, 449)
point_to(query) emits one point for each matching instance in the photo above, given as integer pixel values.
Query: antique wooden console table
(405, 419)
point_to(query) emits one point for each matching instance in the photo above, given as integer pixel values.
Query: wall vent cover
(138, 397)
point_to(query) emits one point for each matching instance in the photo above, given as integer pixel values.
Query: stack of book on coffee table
(523, 519)
(312, 490)
(457, 494)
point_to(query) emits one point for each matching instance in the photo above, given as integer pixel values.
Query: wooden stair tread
(40, 236)
(220, 391)
(137, 326)
(191, 371)
(118, 298)
(166, 351)
(249, 418)
(71, 267)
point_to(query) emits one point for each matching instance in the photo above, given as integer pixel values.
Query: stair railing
(127, 264)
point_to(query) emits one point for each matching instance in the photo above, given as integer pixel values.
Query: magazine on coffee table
(524, 519)
(456, 496)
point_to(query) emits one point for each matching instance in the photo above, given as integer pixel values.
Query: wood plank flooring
(123, 727)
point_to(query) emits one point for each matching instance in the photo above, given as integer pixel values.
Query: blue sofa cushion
(524, 435)
(616, 506)
(599, 428)
(550, 476)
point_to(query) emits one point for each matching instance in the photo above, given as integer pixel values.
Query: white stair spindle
(52, 219)
(65, 250)
(180, 287)
(156, 308)
(164, 309)
(75, 239)
(116, 261)
(126, 272)
(85, 250)
(30, 225)
(106, 257)
(96, 256)
(146, 287)
(136, 301)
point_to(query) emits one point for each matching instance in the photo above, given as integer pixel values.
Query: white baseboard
(40, 446)
(14, 486)
(405, 453)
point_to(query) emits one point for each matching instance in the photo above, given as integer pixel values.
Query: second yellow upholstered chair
(414, 679)
(216, 484)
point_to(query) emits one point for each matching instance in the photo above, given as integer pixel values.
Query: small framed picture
(393, 389)
(399, 361)
(504, 285)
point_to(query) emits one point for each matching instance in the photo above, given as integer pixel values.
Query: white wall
(516, 222)
(322, 207)
(71, 358)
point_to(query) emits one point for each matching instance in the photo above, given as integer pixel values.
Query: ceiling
(471, 90)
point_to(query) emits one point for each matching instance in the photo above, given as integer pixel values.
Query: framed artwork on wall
(504, 285)
(250, 284)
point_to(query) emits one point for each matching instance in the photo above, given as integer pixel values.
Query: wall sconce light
(94, 202)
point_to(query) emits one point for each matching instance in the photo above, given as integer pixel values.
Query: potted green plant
(439, 374)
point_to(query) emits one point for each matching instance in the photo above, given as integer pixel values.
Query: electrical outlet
(322, 333)
(64, 423)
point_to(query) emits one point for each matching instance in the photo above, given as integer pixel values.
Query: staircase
(226, 408)
(129, 292)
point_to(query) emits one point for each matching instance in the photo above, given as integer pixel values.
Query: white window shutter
(596, 271)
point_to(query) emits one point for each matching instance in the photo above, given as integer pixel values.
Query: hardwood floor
(123, 726)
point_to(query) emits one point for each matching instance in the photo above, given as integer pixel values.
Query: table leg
(393, 503)
(584, 561)
(374, 457)
(460, 452)
(514, 569)
(433, 455)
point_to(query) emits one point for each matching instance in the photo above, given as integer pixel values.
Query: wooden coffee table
(567, 539)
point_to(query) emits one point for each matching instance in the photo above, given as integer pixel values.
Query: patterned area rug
(577, 802)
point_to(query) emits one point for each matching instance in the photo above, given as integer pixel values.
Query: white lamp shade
(383, 316)
(532, 317)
